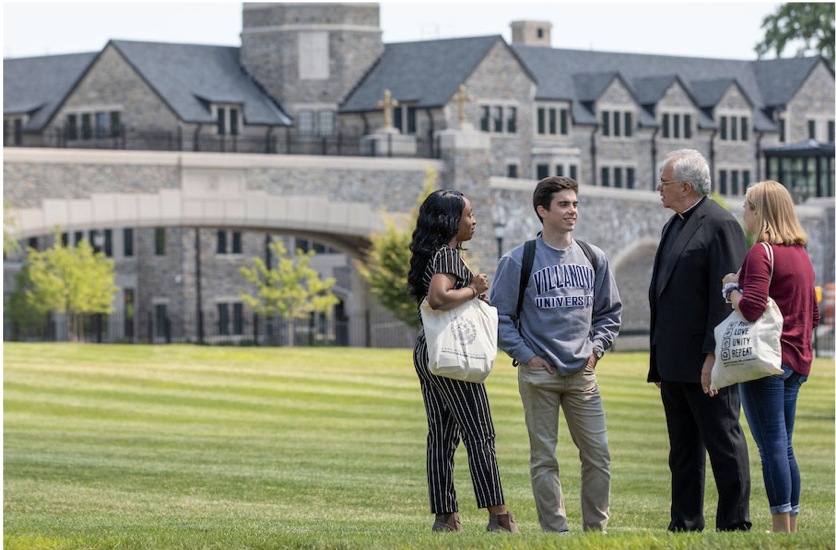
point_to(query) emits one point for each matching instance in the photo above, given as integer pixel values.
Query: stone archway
(633, 268)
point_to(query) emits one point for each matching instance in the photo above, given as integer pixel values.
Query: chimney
(531, 33)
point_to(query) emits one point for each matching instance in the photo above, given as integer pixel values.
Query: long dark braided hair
(438, 223)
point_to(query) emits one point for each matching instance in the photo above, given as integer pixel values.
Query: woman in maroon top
(769, 403)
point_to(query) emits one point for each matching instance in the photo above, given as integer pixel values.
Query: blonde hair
(775, 217)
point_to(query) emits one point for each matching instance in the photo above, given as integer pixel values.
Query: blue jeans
(769, 404)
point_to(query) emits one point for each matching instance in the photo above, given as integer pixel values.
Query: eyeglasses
(664, 183)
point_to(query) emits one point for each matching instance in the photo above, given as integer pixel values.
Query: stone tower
(308, 56)
(531, 33)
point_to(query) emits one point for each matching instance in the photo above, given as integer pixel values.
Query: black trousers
(698, 423)
(457, 410)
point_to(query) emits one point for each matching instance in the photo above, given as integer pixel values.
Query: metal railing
(282, 141)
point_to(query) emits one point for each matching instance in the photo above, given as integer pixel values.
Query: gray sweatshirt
(568, 308)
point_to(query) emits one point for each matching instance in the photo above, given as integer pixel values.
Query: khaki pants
(542, 396)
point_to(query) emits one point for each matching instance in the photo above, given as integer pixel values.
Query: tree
(810, 22)
(387, 261)
(72, 280)
(292, 289)
(10, 245)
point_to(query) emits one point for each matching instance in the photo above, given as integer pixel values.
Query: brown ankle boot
(503, 522)
(447, 522)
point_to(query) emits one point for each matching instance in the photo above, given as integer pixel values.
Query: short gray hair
(689, 165)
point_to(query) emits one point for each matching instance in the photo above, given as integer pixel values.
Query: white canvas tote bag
(461, 342)
(746, 350)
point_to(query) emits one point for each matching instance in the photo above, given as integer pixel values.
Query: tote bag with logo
(746, 350)
(461, 342)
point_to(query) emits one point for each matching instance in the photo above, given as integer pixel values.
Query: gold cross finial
(387, 104)
(461, 97)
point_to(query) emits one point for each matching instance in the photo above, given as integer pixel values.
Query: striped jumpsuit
(456, 409)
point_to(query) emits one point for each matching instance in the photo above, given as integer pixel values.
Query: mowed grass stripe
(196, 447)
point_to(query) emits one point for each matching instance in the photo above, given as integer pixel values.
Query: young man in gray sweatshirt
(569, 316)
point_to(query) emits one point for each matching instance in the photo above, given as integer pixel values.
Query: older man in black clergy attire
(700, 244)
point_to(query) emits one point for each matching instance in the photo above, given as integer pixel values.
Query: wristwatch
(598, 353)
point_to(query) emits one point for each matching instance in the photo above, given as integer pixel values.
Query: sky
(726, 30)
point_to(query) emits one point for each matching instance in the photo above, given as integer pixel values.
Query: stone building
(131, 147)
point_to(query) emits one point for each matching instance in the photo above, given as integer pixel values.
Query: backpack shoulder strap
(587, 251)
(525, 271)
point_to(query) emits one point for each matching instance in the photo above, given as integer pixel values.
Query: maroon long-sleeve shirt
(793, 289)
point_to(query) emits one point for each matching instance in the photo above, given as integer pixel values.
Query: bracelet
(728, 288)
(471, 287)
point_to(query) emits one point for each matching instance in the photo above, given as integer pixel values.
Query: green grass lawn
(137, 447)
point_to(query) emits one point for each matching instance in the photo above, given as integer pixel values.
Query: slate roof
(649, 75)
(187, 76)
(426, 73)
(37, 85)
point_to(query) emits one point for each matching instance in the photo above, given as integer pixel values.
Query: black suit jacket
(687, 305)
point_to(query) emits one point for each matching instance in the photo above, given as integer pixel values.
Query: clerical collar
(685, 214)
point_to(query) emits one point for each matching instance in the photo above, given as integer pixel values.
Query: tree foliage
(10, 245)
(75, 281)
(387, 263)
(809, 22)
(291, 290)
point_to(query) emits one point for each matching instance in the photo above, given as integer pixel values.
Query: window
(622, 177)
(558, 170)
(223, 319)
(13, 130)
(612, 123)
(513, 171)
(71, 127)
(734, 182)
(160, 320)
(405, 113)
(65, 239)
(236, 327)
(86, 126)
(542, 171)
(130, 312)
(159, 241)
(573, 171)
(552, 121)
(115, 124)
(811, 129)
(305, 122)
(223, 242)
(564, 122)
(236, 242)
(734, 128)
(90, 125)
(227, 120)
(326, 122)
(101, 125)
(128, 242)
(108, 243)
(782, 128)
(830, 131)
(221, 248)
(498, 119)
(676, 126)
(32, 243)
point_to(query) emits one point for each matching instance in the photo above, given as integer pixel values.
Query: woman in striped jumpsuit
(455, 409)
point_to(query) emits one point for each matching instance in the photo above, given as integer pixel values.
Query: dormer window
(616, 123)
(677, 126)
(227, 119)
(734, 128)
(13, 129)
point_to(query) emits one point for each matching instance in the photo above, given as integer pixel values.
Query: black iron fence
(281, 141)
(365, 329)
